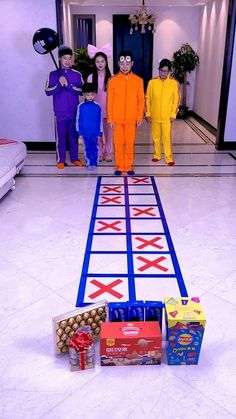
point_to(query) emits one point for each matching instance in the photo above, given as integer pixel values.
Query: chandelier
(142, 17)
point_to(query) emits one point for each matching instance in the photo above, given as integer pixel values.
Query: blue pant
(91, 149)
(65, 129)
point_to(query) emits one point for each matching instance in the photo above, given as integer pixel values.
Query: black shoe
(117, 173)
(130, 173)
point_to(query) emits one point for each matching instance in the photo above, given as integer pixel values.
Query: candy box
(81, 350)
(185, 325)
(65, 325)
(128, 343)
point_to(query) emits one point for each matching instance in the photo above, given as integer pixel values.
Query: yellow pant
(162, 132)
(124, 136)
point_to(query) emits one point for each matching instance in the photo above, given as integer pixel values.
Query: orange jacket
(125, 99)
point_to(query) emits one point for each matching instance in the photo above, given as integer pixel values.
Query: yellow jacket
(125, 99)
(162, 99)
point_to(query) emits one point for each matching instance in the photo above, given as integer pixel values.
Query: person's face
(125, 64)
(66, 61)
(100, 63)
(89, 96)
(163, 72)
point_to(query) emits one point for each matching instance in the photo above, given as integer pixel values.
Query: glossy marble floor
(44, 225)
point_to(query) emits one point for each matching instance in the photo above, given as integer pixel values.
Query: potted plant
(184, 61)
(83, 63)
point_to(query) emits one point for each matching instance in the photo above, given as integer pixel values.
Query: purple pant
(65, 129)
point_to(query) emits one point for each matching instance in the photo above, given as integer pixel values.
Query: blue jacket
(89, 119)
(65, 99)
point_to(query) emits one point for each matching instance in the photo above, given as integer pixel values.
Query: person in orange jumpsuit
(125, 107)
(162, 103)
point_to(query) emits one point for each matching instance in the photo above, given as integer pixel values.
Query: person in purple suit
(65, 85)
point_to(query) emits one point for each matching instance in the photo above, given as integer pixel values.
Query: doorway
(141, 46)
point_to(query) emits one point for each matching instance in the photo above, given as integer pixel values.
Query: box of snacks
(65, 325)
(130, 343)
(185, 325)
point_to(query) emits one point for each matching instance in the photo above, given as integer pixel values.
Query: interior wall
(175, 26)
(213, 21)
(26, 112)
(230, 123)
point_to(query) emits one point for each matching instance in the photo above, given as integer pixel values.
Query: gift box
(81, 350)
(65, 325)
(127, 343)
(185, 325)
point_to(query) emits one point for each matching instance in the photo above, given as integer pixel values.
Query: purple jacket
(65, 99)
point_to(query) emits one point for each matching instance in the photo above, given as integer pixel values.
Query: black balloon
(45, 40)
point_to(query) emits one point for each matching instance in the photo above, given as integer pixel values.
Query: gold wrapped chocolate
(100, 311)
(67, 329)
(64, 337)
(93, 326)
(97, 318)
(60, 344)
(60, 332)
(93, 313)
(78, 318)
(75, 326)
(97, 331)
(86, 316)
(65, 325)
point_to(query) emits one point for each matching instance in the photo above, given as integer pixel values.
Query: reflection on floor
(44, 227)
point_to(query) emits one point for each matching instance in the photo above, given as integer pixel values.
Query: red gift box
(136, 343)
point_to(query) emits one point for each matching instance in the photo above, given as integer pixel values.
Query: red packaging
(136, 343)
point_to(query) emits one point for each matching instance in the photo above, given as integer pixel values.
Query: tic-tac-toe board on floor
(129, 253)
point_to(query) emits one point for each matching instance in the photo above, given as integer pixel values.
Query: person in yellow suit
(125, 109)
(162, 103)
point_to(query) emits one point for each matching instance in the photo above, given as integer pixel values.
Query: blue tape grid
(129, 251)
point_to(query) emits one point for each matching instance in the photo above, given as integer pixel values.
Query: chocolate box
(65, 325)
(185, 325)
(127, 343)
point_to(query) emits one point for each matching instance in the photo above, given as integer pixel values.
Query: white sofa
(12, 157)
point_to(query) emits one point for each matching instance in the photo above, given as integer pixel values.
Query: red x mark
(149, 243)
(116, 189)
(106, 288)
(150, 263)
(106, 199)
(139, 180)
(144, 211)
(107, 225)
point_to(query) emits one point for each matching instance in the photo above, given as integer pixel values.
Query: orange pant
(124, 136)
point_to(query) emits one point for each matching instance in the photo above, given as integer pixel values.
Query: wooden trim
(204, 123)
(59, 17)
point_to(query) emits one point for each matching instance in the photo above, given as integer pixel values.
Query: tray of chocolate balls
(65, 325)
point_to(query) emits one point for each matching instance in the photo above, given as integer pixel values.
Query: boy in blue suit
(89, 124)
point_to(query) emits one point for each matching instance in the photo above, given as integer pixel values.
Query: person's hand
(172, 119)
(148, 119)
(112, 125)
(139, 123)
(63, 82)
(99, 138)
(81, 137)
